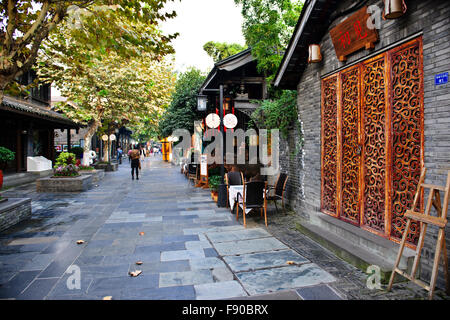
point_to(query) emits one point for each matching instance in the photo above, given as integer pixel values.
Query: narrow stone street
(189, 248)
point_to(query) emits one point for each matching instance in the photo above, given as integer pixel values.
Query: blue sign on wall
(441, 78)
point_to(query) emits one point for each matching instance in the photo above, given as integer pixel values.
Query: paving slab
(254, 261)
(206, 263)
(182, 254)
(217, 237)
(219, 290)
(283, 278)
(249, 246)
(320, 292)
(169, 279)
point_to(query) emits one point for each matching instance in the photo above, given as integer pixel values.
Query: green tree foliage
(267, 28)
(221, 50)
(114, 85)
(100, 24)
(182, 111)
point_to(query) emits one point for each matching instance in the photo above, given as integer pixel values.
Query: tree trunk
(92, 128)
(105, 151)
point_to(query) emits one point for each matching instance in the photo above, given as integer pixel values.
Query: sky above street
(197, 22)
(200, 21)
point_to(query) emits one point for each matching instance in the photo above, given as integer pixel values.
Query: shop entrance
(372, 141)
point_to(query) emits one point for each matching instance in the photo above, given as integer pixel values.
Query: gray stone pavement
(189, 248)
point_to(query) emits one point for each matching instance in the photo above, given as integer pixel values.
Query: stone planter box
(97, 174)
(72, 184)
(13, 211)
(107, 167)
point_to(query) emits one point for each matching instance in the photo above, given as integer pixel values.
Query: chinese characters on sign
(353, 34)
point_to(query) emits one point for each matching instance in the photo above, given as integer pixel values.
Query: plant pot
(214, 195)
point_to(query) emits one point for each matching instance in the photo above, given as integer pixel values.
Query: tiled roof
(11, 104)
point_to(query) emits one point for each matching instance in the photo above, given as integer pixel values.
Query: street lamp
(201, 102)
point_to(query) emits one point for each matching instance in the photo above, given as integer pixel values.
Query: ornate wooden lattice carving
(374, 163)
(383, 113)
(329, 145)
(407, 131)
(350, 101)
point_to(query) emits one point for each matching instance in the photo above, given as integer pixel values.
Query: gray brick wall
(432, 18)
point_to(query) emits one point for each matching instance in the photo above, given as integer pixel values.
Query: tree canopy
(221, 50)
(98, 24)
(123, 84)
(182, 111)
(267, 28)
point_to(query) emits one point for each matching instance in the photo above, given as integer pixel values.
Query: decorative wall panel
(374, 153)
(329, 146)
(407, 133)
(372, 140)
(351, 150)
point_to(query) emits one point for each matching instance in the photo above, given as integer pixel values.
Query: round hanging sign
(230, 121)
(212, 120)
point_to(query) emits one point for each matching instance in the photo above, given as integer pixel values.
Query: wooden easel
(434, 199)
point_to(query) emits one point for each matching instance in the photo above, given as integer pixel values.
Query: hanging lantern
(394, 9)
(314, 53)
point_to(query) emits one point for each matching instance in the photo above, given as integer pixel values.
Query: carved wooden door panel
(329, 146)
(350, 145)
(373, 105)
(372, 141)
(406, 94)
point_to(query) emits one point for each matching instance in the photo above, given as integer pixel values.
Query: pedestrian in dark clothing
(135, 163)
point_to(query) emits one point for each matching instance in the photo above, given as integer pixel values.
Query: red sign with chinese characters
(353, 34)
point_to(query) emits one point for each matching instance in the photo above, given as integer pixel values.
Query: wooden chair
(278, 189)
(254, 197)
(233, 178)
(192, 172)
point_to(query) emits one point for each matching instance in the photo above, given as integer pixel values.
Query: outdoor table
(232, 196)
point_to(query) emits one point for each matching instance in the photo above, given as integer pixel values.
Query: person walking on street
(135, 163)
(119, 155)
(142, 153)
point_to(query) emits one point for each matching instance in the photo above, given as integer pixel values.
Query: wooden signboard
(353, 34)
(203, 182)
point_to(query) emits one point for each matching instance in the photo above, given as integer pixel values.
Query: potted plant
(214, 182)
(5, 156)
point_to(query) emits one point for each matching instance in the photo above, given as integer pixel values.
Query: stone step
(356, 254)
(364, 239)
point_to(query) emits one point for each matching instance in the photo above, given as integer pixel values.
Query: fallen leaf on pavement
(135, 273)
(107, 298)
(290, 262)
(80, 241)
(141, 233)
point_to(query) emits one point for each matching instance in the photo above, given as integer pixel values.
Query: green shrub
(64, 159)
(78, 151)
(86, 168)
(214, 182)
(5, 156)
